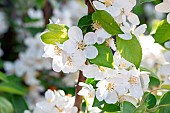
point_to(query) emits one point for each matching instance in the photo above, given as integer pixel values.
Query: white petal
(133, 18)
(99, 94)
(90, 52)
(111, 97)
(140, 30)
(70, 46)
(90, 38)
(136, 91)
(57, 64)
(125, 29)
(113, 10)
(125, 36)
(168, 18)
(75, 34)
(90, 71)
(100, 40)
(78, 58)
(99, 5)
(163, 7)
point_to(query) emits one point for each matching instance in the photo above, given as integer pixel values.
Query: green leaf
(163, 32)
(130, 50)
(5, 106)
(143, 1)
(56, 27)
(85, 22)
(163, 101)
(154, 80)
(141, 109)
(127, 107)
(91, 81)
(107, 22)
(97, 103)
(150, 100)
(12, 88)
(165, 86)
(19, 104)
(54, 37)
(3, 77)
(104, 57)
(110, 107)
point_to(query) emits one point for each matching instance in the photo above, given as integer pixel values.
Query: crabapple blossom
(109, 89)
(63, 60)
(127, 31)
(57, 102)
(77, 42)
(97, 72)
(164, 8)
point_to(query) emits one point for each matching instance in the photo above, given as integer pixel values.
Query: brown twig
(78, 98)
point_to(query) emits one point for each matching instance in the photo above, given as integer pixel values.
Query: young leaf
(141, 109)
(91, 81)
(165, 86)
(107, 22)
(97, 103)
(5, 106)
(104, 57)
(150, 100)
(163, 32)
(130, 50)
(85, 22)
(3, 77)
(54, 37)
(127, 107)
(110, 107)
(56, 27)
(165, 100)
(19, 104)
(154, 80)
(13, 88)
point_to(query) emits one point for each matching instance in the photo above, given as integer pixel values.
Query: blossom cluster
(122, 13)
(115, 84)
(124, 80)
(56, 102)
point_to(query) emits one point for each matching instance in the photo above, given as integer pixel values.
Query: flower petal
(99, 5)
(113, 10)
(70, 46)
(168, 18)
(78, 58)
(140, 30)
(90, 38)
(163, 7)
(75, 34)
(57, 64)
(90, 71)
(133, 18)
(125, 36)
(111, 97)
(90, 52)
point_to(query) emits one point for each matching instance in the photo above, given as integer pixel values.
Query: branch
(78, 98)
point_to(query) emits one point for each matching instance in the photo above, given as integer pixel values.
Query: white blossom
(77, 42)
(164, 8)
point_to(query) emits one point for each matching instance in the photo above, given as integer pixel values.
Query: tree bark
(78, 98)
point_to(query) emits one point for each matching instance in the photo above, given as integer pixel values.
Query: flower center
(122, 65)
(110, 87)
(96, 25)
(108, 2)
(81, 45)
(103, 69)
(57, 50)
(133, 80)
(108, 42)
(69, 61)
